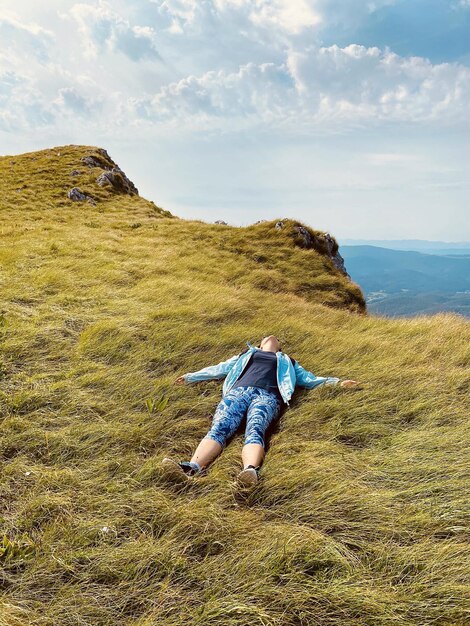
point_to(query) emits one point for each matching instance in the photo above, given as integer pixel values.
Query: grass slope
(360, 518)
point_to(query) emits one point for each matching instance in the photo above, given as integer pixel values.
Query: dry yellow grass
(362, 514)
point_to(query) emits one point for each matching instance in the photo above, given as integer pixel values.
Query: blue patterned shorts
(260, 406)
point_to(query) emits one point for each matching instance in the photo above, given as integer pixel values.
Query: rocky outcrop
(333, 252)
(100, 159)
(118, 181)
(112, 175)
(76, 195)
(323, 243)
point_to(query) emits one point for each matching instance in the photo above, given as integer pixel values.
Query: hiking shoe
(249, 476)
(179, 470)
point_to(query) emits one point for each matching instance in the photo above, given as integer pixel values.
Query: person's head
(270, 343)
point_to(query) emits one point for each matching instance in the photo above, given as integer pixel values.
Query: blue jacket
(288, 375)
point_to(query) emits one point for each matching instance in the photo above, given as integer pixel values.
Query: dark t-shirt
(261, 371)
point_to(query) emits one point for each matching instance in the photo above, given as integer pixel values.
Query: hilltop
(46, 179)
(360, 518)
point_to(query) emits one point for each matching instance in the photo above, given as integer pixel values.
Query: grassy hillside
(360, 518)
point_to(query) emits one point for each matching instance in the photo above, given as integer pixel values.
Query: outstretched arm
(212, 372)
(304, 378)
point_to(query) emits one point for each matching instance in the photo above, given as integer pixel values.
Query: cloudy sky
(350, 115)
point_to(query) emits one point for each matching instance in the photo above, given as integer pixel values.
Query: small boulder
(323, 243)
(93, 161)
(118, 181)
(305, 236)
(111, 174)
(100, 159)
(221, 222)
(76, 195)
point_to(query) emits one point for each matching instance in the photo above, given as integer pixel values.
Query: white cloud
(361, 82)
(349, 12)
(8, 81)
(298, 89)
(104, 29)
(22, 105)
(287, 16)
(252, 90)
(290, 17)
(70, 100)
(24, 39)
(326, 85)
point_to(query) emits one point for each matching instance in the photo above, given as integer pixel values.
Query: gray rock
(118, 181)
(101, 159)
(76, 195)
(112, 175)
(333, 253)
(221, 222)
(104, 154)
(93, 161)
(75, 173)
(324, 244)
(306, 237)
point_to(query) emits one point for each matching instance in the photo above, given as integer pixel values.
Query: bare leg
(206, 452)
(252, 454)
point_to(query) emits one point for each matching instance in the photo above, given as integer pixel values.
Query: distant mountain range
(417, 245)
(398, 282)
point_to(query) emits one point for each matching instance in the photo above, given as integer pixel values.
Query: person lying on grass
(259, 382)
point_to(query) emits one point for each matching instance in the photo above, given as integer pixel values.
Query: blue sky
(436, 29)
(350, 115)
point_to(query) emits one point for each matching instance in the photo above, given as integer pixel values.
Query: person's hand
(179, 380)
(349, 383)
